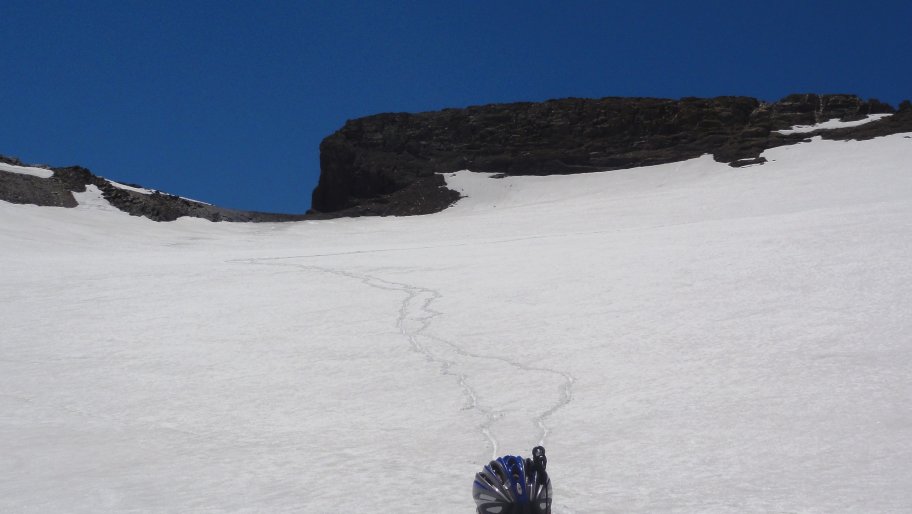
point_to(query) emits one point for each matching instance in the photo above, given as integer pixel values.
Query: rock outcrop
(390, 164)
(57, 191)
(393, 164)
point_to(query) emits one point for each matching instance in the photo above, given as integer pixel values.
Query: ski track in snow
(415, 316)
(756, 359)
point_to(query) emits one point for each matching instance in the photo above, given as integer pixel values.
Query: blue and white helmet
(513, 485)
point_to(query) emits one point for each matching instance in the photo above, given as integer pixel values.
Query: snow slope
(688, 337)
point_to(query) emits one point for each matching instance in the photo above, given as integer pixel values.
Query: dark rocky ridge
(390, 164)
(57, 191)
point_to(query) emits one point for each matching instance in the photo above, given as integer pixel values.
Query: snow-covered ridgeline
(145, 191)
(134, 189)
(832, 124)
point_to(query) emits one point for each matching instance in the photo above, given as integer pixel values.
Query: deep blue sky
(227, 101)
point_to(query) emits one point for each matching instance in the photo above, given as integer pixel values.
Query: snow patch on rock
(26, 170)
(140, 190)
(834, 123)
(92, 198)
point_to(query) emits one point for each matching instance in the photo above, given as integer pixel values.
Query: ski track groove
(415, 308)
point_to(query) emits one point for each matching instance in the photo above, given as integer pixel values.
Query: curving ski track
(415, 316)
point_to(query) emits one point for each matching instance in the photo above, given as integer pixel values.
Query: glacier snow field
(689, 337)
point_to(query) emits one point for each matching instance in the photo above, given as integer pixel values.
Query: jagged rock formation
(390, 164)
(57, 191)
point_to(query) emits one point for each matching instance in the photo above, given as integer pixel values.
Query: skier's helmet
(511, 485)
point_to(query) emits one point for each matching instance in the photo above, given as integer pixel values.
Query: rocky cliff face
(390, 164)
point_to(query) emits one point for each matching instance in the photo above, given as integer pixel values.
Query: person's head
(513, 485)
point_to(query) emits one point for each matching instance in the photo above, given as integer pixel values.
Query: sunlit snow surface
(26, 170)
(140, 190)
(685, 338)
